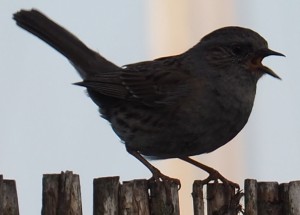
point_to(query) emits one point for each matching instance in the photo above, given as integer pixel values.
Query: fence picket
(61, 196)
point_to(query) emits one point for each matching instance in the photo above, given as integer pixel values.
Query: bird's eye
(238, 50)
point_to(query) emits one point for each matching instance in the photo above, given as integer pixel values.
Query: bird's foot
(231, 192)
(214, 176)
(158, 177)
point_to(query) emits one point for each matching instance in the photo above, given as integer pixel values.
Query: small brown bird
(171, 107)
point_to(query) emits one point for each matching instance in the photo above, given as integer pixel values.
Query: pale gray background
(48, 125)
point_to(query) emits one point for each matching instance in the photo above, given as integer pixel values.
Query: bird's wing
(107, 83)
(160, 82)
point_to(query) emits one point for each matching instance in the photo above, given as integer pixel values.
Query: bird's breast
(199, 123)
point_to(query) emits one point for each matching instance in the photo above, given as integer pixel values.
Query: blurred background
(48, 125)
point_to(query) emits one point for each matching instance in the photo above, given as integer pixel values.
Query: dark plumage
(172, 107)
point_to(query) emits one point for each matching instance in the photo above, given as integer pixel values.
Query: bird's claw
(166, 180)
(215, 176)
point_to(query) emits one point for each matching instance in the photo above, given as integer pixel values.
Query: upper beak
(268, 52)
(260, 55)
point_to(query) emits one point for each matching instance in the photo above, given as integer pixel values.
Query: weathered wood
(222, 199)
(294, 197)
(284, 197)
(250, 187)
(164, 198)
(198, 201)
(268, 198)
(134, 198)
(1, 195)
(106, 195)
(8, 197)
(61, 194)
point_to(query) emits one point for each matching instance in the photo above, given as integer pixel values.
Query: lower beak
(260, 55)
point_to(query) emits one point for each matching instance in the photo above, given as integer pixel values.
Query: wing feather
(159, 82)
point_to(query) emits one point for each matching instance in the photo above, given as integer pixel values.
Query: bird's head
(232, 46)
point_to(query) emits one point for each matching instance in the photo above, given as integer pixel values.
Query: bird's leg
(156, 174)
(214, 175)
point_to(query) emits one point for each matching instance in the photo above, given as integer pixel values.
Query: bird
(171, 107)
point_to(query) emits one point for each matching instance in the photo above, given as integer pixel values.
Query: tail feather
(87, 62)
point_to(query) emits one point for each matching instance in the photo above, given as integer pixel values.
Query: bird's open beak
(259, 56)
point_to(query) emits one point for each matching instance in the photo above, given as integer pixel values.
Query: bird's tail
(86, 61)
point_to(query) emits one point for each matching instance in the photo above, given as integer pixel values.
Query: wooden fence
(61, 196)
